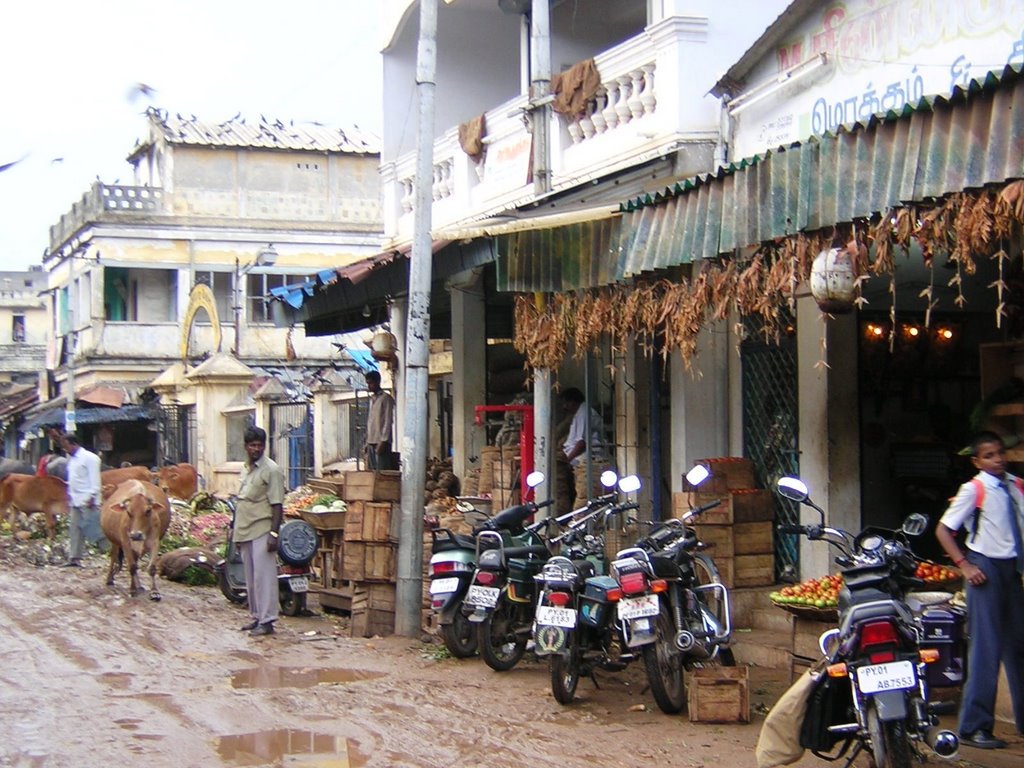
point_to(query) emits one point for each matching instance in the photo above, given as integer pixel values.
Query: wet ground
(91, 677)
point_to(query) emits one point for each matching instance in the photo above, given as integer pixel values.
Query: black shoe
(73, 564)
(266, 629)
(250, 626)
(982, 740)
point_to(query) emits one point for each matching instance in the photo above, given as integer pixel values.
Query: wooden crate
(746, 570)
(805, 637)
(324, 521)
(335, 485)
(383, 485)
(365, 561)
(371, 622)
(719, 695)
(748, 506)
(728, 473)
(372, 521)
(737, 539)
(366, 595)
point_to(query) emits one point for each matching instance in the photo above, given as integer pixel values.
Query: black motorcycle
(296, 548)
(875, 695)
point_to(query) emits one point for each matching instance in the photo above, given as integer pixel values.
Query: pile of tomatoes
(935, 573)
(813, 593)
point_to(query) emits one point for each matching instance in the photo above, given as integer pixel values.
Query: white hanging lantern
(383, 346)
(834, 281)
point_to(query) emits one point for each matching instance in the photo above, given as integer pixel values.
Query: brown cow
(29, 494)
(111, 478)
(135, 519)
(181, 481)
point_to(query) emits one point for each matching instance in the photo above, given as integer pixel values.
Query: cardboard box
(383, 485)
(719, 695)
(374, 521)
(746, 506)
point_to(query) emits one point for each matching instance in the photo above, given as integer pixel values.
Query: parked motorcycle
(879, 655)
(574, 623)
(673, 607)
(296, 548)
(452, 565)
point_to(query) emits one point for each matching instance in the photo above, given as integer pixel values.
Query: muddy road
(91, 677)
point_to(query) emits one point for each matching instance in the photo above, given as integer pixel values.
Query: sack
(779, 740)
(830, 703)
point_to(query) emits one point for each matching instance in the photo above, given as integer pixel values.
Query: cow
(110, 479)
(29, 494)
(180, 481)
(134, 519)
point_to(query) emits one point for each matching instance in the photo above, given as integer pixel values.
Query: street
(92, 677)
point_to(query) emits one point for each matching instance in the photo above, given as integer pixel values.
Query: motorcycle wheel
(236, 596)
(890, 747)
(460, 636)
(565, 676)
(500, 646)
(292, 603)
(664, 664)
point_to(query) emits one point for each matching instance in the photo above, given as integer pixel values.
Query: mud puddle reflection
(298, 677)
(287, 747)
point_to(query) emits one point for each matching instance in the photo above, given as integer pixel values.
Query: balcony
(648, 105)
(107, 202)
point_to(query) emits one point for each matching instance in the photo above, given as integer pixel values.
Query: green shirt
(262, 485)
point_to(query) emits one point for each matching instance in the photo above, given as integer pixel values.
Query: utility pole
(409, 590)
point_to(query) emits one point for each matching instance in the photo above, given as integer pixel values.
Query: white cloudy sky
(69, 67)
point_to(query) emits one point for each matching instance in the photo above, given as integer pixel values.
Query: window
(237, 423)
(221, 285)
(18, 328)
(257, 291)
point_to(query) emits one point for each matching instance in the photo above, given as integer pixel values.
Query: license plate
(549, 615)
(298, 584)
(886, 677)
(635, 607)
(486, 597)
(440, 586)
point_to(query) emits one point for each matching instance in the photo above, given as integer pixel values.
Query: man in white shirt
(84, 499)
(578, 450)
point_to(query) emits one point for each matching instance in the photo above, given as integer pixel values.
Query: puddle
(286, 747)
(298, 677)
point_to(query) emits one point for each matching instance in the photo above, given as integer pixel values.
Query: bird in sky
(141, 89)
(8, 166)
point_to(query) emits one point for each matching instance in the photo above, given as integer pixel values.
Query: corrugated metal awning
(942, 145)
(54, 416)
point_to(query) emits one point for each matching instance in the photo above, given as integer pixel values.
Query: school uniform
(995, 609)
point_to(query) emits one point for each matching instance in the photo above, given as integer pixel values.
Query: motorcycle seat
(453, 541)
(860, 613)
(534, 550)
(666, 568)
(584, 568)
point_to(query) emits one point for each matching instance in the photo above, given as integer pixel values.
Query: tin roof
(264, 133)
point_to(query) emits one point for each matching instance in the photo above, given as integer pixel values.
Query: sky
(72, 109)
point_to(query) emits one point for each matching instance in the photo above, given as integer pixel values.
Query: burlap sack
(779, 741)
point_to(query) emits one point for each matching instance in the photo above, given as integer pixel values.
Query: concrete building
(24, 325)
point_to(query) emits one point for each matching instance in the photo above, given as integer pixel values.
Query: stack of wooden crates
(738, 531)
(499, 475)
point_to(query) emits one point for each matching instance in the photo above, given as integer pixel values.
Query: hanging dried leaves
(670, 315)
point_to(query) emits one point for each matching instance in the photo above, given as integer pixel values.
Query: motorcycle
(296, 548)
(501, 599)
(573, 623)
(878, 657)
(451, 570)
(674, 607)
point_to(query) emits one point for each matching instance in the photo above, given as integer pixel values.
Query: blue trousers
(995, 625)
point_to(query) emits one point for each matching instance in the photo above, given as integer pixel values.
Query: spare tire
(297, 543)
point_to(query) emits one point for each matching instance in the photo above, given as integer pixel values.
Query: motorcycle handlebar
(788, 528)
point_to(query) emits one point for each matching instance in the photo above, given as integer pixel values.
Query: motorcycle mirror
(698, 474)
(915, 524)
(792, 488)
(629, 484)
(534, 479)
(609, 478)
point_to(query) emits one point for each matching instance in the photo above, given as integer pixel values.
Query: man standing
(378, 425)
(255, 531)
(84, 488)
(578, 449)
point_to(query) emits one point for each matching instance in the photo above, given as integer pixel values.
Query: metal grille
(177, 442)
(770, 426)
(291, 440)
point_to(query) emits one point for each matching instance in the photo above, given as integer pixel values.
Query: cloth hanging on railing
(575, 87)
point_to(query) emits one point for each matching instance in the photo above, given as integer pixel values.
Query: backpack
(979, 500)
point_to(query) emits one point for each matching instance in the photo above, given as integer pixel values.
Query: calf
(135, 519)
(179, 480)
(111, 478)
(30, 494)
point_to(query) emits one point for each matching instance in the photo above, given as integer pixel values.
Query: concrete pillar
(469, 361)
(399, 321)
(828, 425)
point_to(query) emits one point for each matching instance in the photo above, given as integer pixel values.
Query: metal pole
(409, 590)
(237, 295)
(70, 418)
(540, 90)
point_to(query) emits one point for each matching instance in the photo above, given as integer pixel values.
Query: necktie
(1015, 526)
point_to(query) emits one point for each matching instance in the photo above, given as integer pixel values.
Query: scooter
(296, 548)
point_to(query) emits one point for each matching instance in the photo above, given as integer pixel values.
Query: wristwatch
(274, 534)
